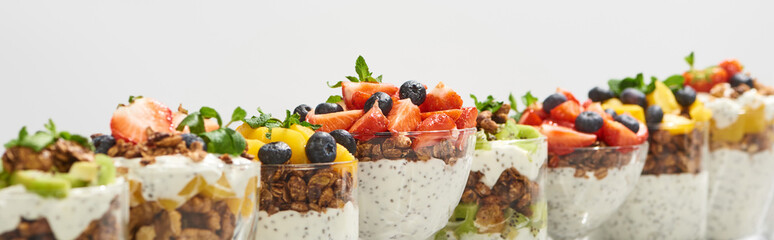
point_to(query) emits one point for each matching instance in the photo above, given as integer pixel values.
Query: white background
(74, 61)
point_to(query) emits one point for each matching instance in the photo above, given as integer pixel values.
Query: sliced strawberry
(453, 113)
(468, 118)
(586, 103)
(334, 121)
(348, 90)
(441, 98)
(130, 122)
(566, 111)
(732, 66)
(371, 122)
(552, 122)
(642, 134)
(209, 124)
(562, 140)
(597, 108)
(616, 134)
(437, 122)
(531, 116)
(568, 94)
(404, 116)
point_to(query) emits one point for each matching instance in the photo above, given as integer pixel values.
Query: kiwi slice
(74, 182)
(4, 178)
(527, 132)
(508, 131)
(44, 184)
(84, 171)
(107, 171)
(466, 214)
(481, 142)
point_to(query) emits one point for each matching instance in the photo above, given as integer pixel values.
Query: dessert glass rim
(638, 146)
(304, 165)
(521, 140)
(120, 182)
(413, 133)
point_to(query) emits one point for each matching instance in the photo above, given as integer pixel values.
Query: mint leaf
(337, 85)
(132, 98)
(208, 112)
(194, 121)
(334, 99)
(689, 60)
(83, 141)
(513, 102)
(23, 133)
(312, 126)
(38, 141)
(263, 120)
(362, 69)
(42, 139)
(651, 86)
(353, 79)
(379, 78)
(224, 141)
(528, 99)
(613, 85)
(237, 115)
(50, 126)
(617, 86)
(489, 105)
(675, 82)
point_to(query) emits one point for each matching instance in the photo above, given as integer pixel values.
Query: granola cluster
(489, 121)
(158, 144)
(284, 188)
(598, 162)
(401, 147)
(674, 154)
(60, 156)
(512, 190)
(198, 218)
(751, 142)
(107, 227)
(724, 90)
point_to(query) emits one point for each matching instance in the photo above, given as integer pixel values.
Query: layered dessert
(741, 155)
(503, 197)
(189, 175)
(53, 186)
(670, 199)
(414, 148)
(594, 161)
(308, 179)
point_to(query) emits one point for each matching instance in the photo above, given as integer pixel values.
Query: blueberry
(321, 148)
(274, 153)
(654, 114)
(384, 100)
(630, 122)
(589, 122)
(686, 96)
(324, 108)
(302, 110)
(345, 139)
(633, 96)
(598, 94)
(552, 101)
(414, 91)
(102, 143)
(611, 112)
(739, 79)
(190, 138)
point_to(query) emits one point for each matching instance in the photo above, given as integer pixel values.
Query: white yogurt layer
(523, 234)
(166, 177)
(740, 192)
(505, 155)
(724, 111)
(402, 199)
(576, 206)
(666, 206)
(68, 217)
(332, 224)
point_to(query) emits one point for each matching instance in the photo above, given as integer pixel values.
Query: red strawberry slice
(371, 122)
(531, 116)
(468, 118)
(568, 95)
(437, 122)
(566, 124)
(586, 103)
(642, 134)
(363, 89)
(453, 113)
(616, 134)
(130, 122)
(209, 124)
(334, 121)
(404, 117)
(566, 111)
(597, 108)
(562, 140)
(441, 98)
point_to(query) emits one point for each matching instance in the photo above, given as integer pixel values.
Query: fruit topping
(662, 96)
(686, 96)
(383, 100)
(567, 111)
(703, 80)
(333, 121)
(676, 124)
(553, 101)
(275, 153)
(345, 139)
(589, 122)
(292, 138)
(302, 110)
(532, 116)
(102, 143)
(732, 66)
(616, 134)
(325, 108)
(224, 140)
(371, 122)
(654, 114)
(561, 139)
(630, 122)
(441, 98)
(634, 110)
(404, 116)
(413, 90)
(598, 94)
(321, 147)
(130, 122)
(611, 112)
(698, 112)
(741, 78)
(42, 183)
(568, 95)
(191, 138)
(437, 122)
(633, 96)
(467, 118)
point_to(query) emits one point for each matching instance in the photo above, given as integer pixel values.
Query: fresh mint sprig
(266, 120)
(43, 139)
(224, 140)
(487, 105)
(689, 60)
(363, 74)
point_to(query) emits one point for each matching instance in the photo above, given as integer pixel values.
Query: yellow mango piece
(731, 133)
(169, 204)
(676, 124)
(611, 103)
(343, 155)
(754, 120)
(699, 113)
(663, 97)
(295, 140)
(632, 109)
(135, 190)
(220, 190)
(252, 186)
(307, 132)
(193, 187)
(250, 133)
(234, 205)
(247, 207)
(253, 145)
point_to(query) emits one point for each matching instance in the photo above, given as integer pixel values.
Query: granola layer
(107, 227)
(596, 159)
(287, 189)
(674, 154)
(200, 217)
(512, 190)
(400, 147)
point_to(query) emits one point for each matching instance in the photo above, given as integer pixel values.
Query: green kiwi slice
(44, 184)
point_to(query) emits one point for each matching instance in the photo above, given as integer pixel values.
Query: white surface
(75, 60)
(333, 224)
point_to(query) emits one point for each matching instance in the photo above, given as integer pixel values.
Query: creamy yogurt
(402, 199)
(504, 155)
(666, 206)
(576, 206)
(724, 111)
(740, 192)
(68, 217)
(332, 224)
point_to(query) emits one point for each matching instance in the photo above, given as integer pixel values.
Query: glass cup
(175, 197)
(741, 182)
(585, 186)
(99, 212)
(504, 196)
(410, 182)
(308, 201)
(670, 199)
